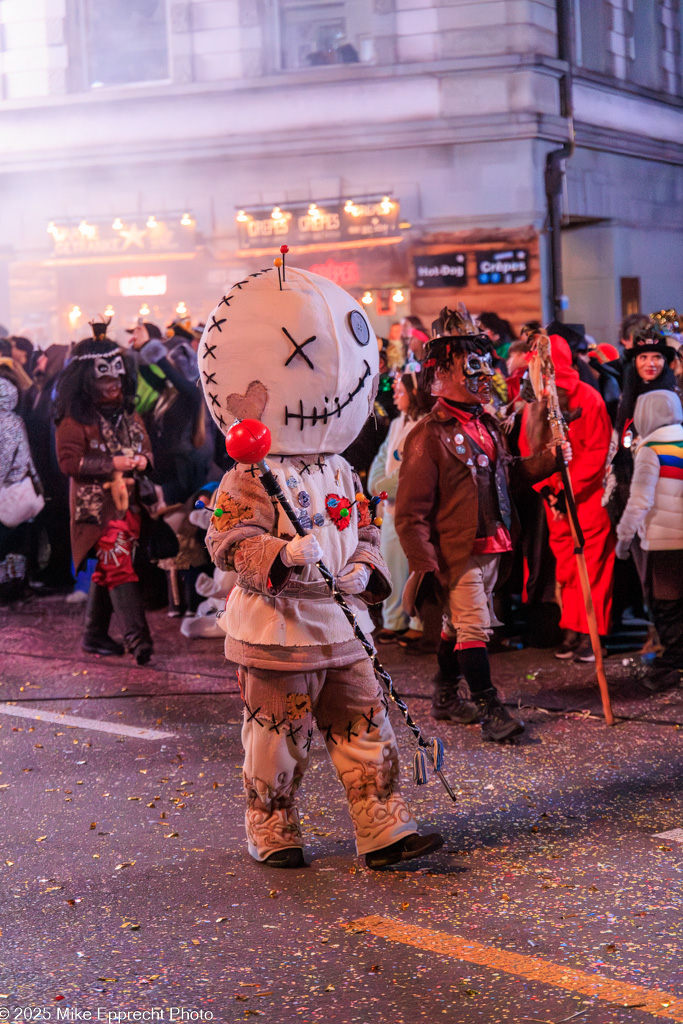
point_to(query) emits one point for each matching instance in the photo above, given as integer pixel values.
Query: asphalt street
(127, 888)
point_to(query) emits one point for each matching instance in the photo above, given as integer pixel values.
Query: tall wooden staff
(542, 376)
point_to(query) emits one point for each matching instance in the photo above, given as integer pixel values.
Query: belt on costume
(313, 591)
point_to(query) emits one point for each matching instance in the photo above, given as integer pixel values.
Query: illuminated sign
(121, 238)
(309, 223)
(157, 284)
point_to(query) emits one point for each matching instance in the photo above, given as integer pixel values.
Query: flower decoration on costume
(339, 510)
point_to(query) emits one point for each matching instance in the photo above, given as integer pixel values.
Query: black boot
(408, 848)
(127, 602)
(291, 857)
(497, 724)
(447, 703)
(96, 639)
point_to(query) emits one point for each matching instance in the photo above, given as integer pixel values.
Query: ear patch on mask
(359, 327)
(249, 406)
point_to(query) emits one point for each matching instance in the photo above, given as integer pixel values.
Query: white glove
(567, 452)
(301, 551)
(354, 578)
(623, 550)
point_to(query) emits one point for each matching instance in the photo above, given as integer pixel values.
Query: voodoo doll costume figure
(102, 445)
(455, 517)
(299, 355)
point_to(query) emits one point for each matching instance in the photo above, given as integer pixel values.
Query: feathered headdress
(455, 323)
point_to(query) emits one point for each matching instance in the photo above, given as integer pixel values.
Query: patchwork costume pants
(281, 710)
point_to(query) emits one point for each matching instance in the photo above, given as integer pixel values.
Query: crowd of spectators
(622, 401)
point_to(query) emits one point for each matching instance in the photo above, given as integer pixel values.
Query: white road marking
(85, 723)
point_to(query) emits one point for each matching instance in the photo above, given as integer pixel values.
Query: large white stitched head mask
(303, 360)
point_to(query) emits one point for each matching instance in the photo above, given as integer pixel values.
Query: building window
(321, 32)
(637, 41)
(118, 42)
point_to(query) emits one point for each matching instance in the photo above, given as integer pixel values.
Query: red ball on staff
(248, 441)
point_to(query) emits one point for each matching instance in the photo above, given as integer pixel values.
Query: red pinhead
(284, 249)
(383, 495)
(248, 441)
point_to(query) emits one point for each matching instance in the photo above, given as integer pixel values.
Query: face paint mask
(478, 373)
(109, 366)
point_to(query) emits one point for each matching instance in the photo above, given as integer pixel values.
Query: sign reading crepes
(309, 224)
(503, 266)
(441, 270)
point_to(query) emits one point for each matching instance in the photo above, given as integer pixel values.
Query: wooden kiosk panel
(516, 295)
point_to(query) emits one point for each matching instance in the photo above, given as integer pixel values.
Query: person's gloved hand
(152, 351)
(567, 451)
(301, 551)
(623, 549)
(354, 578)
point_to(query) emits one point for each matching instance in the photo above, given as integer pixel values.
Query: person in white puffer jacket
(655, 512)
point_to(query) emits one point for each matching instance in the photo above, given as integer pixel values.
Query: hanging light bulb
(152, 221)
(241, 216)
(386, 206)
(186, 220)
(74, 315)
(398, 296)
(109, 311)
(314, 212)
(144, 309)
(277, 213)
(118, 224)
(366, 298)
(52, 228)
(181, 309)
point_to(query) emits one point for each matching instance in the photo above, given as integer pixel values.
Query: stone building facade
(392, 139)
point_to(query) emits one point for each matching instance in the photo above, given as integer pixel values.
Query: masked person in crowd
(454, 515)
(102, 445)
(299, 355)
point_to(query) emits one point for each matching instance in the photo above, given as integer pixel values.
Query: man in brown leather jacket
(454, 515)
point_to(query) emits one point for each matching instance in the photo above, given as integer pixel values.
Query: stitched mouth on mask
(327, 414)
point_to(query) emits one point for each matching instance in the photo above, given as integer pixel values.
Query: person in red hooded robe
(589, 436)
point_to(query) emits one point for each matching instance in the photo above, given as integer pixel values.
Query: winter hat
(650, 340)
(573, 334)
(152, 330)
(605, 353)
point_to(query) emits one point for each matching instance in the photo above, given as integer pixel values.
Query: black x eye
(298, 349)
(359, 327)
